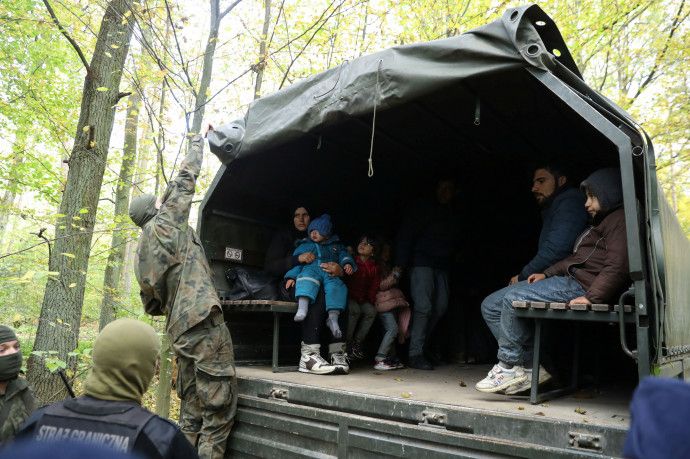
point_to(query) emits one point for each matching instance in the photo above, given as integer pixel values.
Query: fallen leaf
(405, 395)
(580, 411)
(521, 407)
(102, 89)
(544, 405)
(462, 384)
(398, 379)
(539, 413)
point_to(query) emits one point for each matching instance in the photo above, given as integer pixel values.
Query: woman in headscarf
(279, 260)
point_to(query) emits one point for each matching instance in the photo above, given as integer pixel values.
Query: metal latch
(433, 419)
(585, 441)
(278, 394)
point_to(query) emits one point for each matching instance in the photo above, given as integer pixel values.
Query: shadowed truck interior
(487, 133)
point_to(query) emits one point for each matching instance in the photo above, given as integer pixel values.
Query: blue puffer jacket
(564, 218)
(329, 250)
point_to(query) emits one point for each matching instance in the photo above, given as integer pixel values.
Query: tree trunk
(11, 190)
(58, 327)
(263, 57)
(118, 242)
(164, 378)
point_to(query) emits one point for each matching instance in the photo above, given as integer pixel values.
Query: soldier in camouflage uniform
(17, 400)
(176, 281)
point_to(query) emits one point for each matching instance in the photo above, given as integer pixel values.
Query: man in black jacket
(110, 414)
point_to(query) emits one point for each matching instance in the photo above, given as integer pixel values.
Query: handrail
(621, 321)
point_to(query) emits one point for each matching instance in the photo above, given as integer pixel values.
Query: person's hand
(289, 284)
(513, 280)
(397, 269)
(333, 269)
(580, 300)
(205, 128)
(536, 277)
(306, 257)
(348, 269)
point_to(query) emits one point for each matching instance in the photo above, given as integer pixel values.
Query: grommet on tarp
(477, 110)
(373, 122)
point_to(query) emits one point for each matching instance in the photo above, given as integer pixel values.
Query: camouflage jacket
(170, 263)
(16, 405)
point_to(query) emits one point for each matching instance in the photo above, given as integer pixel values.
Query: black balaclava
(142, 209)
(9, 364)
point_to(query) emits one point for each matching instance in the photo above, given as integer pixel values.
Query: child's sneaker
(384, 364)
(356, 352)
(500, 378)
(395, 361)
(526, 385)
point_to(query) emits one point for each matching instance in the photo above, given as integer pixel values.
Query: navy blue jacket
(429, 236)
(564, 218)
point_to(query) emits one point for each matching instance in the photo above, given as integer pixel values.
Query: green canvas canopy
(363, 139)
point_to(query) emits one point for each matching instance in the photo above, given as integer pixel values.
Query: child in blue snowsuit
(310, 277)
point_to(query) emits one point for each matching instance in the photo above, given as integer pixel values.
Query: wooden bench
(561, 311)
(277, 308)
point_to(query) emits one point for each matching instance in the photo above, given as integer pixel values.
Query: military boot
(312, 362)
(339, 358)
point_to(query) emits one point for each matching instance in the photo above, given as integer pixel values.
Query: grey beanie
(606, 185)
(142, 209)
(7, 334)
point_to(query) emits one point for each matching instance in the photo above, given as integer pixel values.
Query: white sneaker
(315, 364)
(339, 361)
(527, 383)
(500, 378)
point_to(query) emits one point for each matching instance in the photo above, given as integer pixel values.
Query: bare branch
(228, 9)
(74, 44)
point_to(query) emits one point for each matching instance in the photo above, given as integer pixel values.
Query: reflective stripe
(316, 281)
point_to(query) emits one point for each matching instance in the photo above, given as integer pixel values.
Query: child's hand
(348, 269)
(289, 284)
(579, 300)
(306, 257)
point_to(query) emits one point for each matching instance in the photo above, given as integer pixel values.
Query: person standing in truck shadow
(176, 281)
(280, 259)
(563, 217)
(426, 245)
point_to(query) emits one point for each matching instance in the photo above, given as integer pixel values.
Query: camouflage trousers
(206, 383)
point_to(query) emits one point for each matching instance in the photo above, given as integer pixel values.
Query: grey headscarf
(142, 209)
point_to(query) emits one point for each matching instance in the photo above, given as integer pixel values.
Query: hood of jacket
(142, 209)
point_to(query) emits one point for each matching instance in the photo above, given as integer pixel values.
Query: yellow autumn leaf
(59, 321)
(134, 113)
(28, 275)
(92, 144)
(60, 215)
(69, 255)
(398, 379)
(85, 128)
(17, 318)
(405, 395)
(83, 210)
(101, 89)
(161, 73)
(62, 227)
(124, 21)
(108, 54)
(114, 46)
(53, 273)
(76, 218)
(73, 284)
(128, 14)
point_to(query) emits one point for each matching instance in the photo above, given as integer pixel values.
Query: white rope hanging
(373, 123)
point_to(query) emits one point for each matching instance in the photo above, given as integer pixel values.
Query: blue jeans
(492, 307)
(429, 289)
(514, 344)
(390, 325)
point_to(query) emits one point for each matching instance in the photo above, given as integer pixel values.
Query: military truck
(362, 140)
